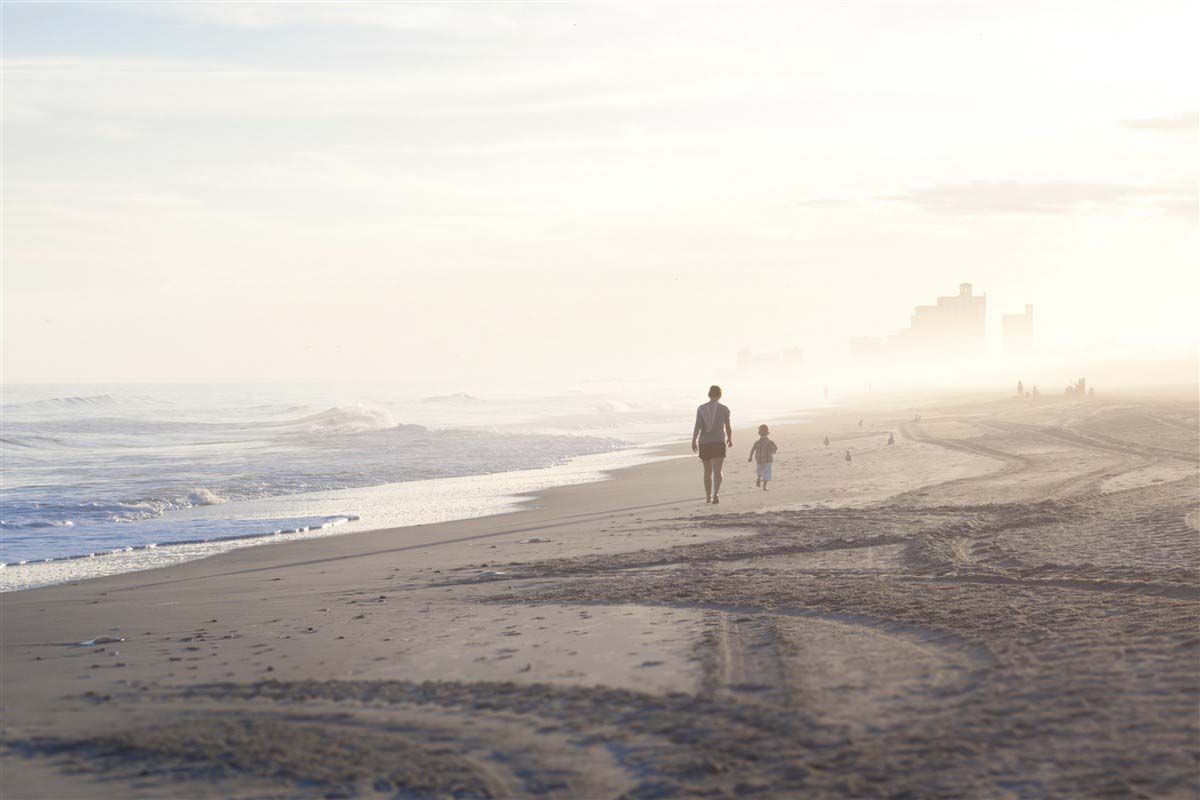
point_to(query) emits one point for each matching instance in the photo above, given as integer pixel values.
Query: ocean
(104, 479)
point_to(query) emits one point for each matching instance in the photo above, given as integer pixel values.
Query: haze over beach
(315, 192)
(350, 351)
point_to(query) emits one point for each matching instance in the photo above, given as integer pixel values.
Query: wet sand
(1005, 603)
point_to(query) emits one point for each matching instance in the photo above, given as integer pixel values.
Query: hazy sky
(370, 191)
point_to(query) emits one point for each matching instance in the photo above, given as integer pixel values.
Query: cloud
(1175, 199)
(444, 18)
(1185, 124)
(49, 88)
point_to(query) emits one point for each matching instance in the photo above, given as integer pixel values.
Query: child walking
(763, 452)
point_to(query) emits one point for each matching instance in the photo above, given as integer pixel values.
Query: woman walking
(711, 435)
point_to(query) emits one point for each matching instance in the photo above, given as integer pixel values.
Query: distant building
(1017, 331)
(957, 323)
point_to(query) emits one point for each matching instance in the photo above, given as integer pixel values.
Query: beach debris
(100, 640)
(533, 540)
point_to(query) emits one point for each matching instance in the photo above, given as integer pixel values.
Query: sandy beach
(1005, 603)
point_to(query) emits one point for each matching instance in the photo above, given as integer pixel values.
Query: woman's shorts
(712, 450)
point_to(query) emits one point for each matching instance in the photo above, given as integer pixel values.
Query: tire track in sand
(1087, 484)
(1013, 463)
(1077, 486)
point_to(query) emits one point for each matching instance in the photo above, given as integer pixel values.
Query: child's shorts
(764, 471)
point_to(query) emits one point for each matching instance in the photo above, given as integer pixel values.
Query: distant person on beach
(827, 441)
(763, 455)
(891, 439)
(849, 457)
(1020, 389)
(710, 437)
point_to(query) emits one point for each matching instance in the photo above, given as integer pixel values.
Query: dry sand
(1003, 604)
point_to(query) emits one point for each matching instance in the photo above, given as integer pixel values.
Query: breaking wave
(344, 419)
(30, 442)
(205, 497)
(25, 515)
(72, 403)
(235, 531)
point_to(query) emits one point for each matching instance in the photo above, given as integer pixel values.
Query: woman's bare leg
(716, 474)
(708, 478)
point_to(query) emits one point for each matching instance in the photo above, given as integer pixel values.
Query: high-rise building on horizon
(1016, 330)
(956, 323)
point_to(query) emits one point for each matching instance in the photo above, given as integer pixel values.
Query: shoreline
(483, 494)
(875, 626)
(544, 500)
